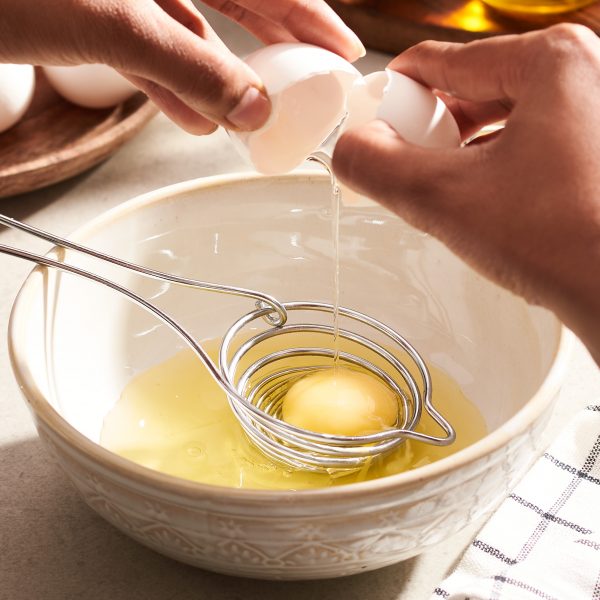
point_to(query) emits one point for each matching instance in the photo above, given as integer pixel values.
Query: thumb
(423, 185)
(451, 194)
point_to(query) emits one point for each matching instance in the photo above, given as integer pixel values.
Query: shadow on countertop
(27, 204)
(54, 547)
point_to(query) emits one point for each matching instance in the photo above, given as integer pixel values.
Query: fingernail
(251, 111)
(359, 49)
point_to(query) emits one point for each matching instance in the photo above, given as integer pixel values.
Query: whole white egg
(90, 86)
(17, 83)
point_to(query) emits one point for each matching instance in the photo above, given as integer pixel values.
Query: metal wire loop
(263, 382)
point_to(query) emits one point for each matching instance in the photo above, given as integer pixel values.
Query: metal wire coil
(262, 385)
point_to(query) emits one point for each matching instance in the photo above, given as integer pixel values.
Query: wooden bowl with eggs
(78, 348)
(59, 135)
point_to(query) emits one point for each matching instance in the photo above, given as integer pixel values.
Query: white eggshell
(17, 83)
(90, 86)
(412, 109)
(308, 87)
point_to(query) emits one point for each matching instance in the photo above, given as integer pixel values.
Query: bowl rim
(151, 479)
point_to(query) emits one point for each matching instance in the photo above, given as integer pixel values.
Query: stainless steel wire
(263, 383)
(256, 383)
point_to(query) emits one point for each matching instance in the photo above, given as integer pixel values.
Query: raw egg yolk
(340, 401)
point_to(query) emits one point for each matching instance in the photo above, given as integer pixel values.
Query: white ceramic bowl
(74, 345)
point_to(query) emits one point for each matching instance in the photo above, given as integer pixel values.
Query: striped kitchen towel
(543, 542)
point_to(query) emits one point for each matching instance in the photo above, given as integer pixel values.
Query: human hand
(168, 49)
(523, 205)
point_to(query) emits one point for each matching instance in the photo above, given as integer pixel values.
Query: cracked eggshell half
(90, 86)
(308, 87)
(17, 83)
(412, 109)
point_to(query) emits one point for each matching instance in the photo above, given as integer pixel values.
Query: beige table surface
(51, 545)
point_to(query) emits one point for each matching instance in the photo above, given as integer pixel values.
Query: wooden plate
(394, 25)
(56, 140)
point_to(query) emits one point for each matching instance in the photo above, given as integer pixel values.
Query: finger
(188, 119)
(310, 21)
(204, 76)
(504, 68)
(483, 81)
(265, 30)
(481, 71)
(184, 12)
(188, 15)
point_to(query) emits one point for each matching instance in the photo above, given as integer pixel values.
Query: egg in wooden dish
(90, 86)
(17, 83)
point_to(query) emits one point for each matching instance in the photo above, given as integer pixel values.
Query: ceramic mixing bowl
(74, 346)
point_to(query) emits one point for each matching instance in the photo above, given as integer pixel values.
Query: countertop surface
(52, 546)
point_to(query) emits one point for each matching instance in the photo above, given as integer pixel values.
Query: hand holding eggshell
(408, 107)
(521, 205)
(167, 49)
